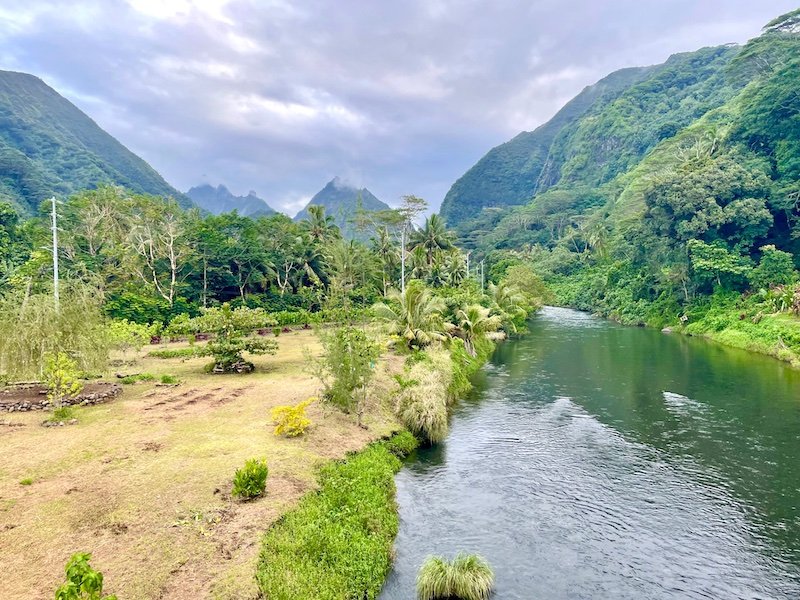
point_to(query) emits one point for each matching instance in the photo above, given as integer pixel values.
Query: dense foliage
(251, 480)
(83, 582)
(684, 185)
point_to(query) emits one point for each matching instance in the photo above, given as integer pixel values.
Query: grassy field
(143, 482)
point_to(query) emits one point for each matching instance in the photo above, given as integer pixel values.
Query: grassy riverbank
(758, 322)
(144, 482)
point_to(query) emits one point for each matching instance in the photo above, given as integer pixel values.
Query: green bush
(251, 480)
(337, 543)
(347, 366)
(422, 402)
(291, 421)
(776, 267)
(131, 379)
(402, 444)
(169, 379)
(64, 413)
(83, 582)
(467, 577)
(26, 481)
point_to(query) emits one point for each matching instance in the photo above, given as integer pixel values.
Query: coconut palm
(384, 247)
(416, 316)
(432, 237)
(420, 267)
(454, 266)
(475, 322)
(508, 302)
(320, 227)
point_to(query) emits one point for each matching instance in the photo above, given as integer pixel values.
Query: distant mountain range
(49, 147)
(341, 201)
(217, 200)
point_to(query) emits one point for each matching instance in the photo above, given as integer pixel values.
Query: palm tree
(508, 302)
(416, 315)
(383, 246)
(420, 267)
(474, 323)
(455, 267)
(432, 237)
(320, 228)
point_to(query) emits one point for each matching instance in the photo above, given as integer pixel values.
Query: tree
(83, 582)
(776, 267)
(474, 323)
(714, 262)
(231, 328)
(415, 316)
(433, 236)
(320, 228)
(61, 378)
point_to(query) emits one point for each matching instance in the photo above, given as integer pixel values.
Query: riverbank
(758, 323)
(143, 482)
(338, 543)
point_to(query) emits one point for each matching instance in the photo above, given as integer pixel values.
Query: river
(596, 461)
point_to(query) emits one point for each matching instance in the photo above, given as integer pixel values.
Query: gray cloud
(402, 97)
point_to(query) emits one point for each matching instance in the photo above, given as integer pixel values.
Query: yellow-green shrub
(291, 421)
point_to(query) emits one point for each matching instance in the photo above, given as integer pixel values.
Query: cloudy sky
(278, 96)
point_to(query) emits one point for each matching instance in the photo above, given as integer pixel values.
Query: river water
(595, 461)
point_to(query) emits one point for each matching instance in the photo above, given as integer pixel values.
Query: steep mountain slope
(602, 132)
(341, 201)
(48, 146)
(217, 200)
(508, 174)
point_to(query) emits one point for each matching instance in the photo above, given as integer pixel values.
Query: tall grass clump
(422, 401)
(467, 577)
(337, 543)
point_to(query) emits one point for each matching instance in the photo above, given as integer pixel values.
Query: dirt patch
(24, 397)
(143, 483)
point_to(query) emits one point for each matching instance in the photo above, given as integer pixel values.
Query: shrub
(83, 582)
(776, 267)
(251, 480)
(276, 331)
(467, 577)
(169, 379)
(347, 366)
(65, 413)
(402, 444)
(291, 421)
(337, 543)
(26, 481)
(61, 378)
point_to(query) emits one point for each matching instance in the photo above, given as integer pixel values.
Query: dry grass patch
(143, 482)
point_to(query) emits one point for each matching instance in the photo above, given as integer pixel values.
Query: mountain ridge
(220, 199)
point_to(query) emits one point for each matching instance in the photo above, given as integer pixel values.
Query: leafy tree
(61, 378)
(715, 263)
(231, 328)
(474, 323)
(776, 267)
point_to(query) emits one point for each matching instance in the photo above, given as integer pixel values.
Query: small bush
(422, 403)
(65, 413)
(169, 379)
(402, 444)
(26, 481)
(83, 582)
(347, 367)
(276, 331)
(61, 378)
(291, 421)
(251, 480)
(468, 577)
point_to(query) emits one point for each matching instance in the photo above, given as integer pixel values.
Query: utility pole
(468, 253)
(403, 261)
(481, 276)
(55, 252)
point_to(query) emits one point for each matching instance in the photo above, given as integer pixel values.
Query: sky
(280, 96)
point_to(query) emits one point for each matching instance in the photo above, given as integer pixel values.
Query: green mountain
(685, 183)
(341, 201)
(218, 200)
(508, 174)
(49, 147)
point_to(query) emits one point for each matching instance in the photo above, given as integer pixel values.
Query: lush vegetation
(337, 543)
(49, 147)
(688, 218)
(466, 577)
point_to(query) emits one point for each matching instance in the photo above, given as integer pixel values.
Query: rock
(73, 421)
(667, 330)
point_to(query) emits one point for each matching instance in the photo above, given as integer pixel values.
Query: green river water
(599, 461)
